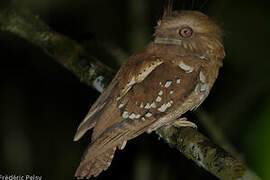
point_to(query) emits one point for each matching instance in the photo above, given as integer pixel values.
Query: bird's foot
(182, 122)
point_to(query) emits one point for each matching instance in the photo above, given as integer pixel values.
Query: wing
(131, 72)
(93, 114)
(161, 92)
(134, 105)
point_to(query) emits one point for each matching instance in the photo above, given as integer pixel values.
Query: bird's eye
(186, 32)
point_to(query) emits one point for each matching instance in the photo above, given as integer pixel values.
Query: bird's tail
(93, 163)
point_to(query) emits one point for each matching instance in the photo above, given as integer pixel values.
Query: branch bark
(62, 49)
(206, 154)
(91, 71)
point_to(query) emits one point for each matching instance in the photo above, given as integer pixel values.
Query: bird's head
(191, 31)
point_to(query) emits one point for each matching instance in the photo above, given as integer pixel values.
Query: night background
(42, 103)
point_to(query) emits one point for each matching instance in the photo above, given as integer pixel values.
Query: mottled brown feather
(112, 129)
(153, 87)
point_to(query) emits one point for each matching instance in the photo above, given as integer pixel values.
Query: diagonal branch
(89, 70)
(62, 49)
(206, 154)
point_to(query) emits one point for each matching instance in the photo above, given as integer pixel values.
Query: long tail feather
(93, 165)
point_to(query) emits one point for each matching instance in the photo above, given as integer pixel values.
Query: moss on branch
(205, 153)
(89, 70)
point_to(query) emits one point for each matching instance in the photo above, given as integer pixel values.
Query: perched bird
(154, 87)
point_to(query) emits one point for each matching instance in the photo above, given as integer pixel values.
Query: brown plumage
(154, 87)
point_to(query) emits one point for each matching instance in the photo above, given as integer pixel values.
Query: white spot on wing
(138, 116)
(120, 105)
(186, 68)
(131, 82)
(147, 106)
(160, 92)
(143, 119)
(203, 57)
(167, 84)
(132, 116)
(153, 105)
(163, 107)
(125, 114)
(171, 92)
(202, 77)
(141, 106)
(118, 98)
(178, 81)
(158, 99)
(148, 114)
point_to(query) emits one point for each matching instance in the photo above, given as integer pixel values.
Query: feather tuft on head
(169, 9)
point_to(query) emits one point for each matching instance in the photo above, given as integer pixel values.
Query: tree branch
(62, 49)
(205, 153)
(89, 70)
(217, 134)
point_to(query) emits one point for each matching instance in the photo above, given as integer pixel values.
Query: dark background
(41, 103)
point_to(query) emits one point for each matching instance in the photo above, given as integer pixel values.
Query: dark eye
(186, 32)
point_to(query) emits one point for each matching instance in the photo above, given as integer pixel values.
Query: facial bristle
(169, 9)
